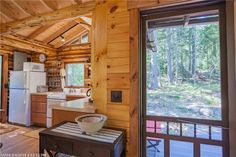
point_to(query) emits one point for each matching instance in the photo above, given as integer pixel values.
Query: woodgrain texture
(132, 4)
(25, 45)
(99, 57)
(134, 84)
(38, 109)
(67, 116)
(45, 20)
(48, 18)
(110, 62)
(17, 143)
(4, 92)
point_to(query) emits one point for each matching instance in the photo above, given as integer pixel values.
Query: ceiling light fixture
(62, 39)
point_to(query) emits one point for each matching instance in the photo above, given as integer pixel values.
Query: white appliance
(22, 83)
(31, 66)
(53, 99)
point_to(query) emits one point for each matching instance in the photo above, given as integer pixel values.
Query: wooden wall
(112, 66)
(70, 54)
(134, 4)
(76, 53)
(7, 66)
(110, 61)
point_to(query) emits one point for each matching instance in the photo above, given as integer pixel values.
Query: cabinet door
(38, 118)
(38, 107)
(87, 150)
(39, 98)
(57, 144)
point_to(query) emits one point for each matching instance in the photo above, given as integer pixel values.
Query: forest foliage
(75, 74)
(185, 68)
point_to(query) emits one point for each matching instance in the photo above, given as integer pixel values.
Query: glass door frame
(224, 122)
(2, 86)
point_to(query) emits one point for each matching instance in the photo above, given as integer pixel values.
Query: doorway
(184, 82)
(3, 86)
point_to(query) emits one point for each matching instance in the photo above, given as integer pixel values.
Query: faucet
(72, 90)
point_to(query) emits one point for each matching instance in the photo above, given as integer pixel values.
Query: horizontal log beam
(26, 45)
(85, 46)
(49, 18)
(28, 40)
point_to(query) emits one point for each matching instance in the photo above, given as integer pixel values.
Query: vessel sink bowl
(91, 123)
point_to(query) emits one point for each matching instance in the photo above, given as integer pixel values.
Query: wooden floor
(16, 142)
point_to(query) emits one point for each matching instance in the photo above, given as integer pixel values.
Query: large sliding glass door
(184, 82)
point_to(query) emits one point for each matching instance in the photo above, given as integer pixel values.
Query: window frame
(73, 86)
(84, 35)
(174, 11)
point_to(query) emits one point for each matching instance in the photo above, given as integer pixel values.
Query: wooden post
(134, 84)
(4, 86)
(230, 30)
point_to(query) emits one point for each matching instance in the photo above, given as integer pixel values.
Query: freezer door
(18, 79)
(19, 107)
(36, 79)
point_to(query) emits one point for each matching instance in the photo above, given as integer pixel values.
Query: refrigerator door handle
(25, 81)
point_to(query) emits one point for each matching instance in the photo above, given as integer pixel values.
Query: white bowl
(91, 123)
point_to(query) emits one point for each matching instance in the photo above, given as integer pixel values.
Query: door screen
(184, 107)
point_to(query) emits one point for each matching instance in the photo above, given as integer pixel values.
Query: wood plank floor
(16, 142)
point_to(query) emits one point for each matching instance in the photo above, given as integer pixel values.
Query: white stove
(53, 99)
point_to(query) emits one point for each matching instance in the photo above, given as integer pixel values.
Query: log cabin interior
(118, 78)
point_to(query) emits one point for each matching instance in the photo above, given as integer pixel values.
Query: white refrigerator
(22, 83)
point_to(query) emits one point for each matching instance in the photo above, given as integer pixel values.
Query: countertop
(42, 93)
(67, 94)
(79, 105)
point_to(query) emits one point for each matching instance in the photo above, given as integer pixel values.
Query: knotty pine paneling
(110, 62)
(118, 81)
(99, 57)
(125, 96)
(135, 4)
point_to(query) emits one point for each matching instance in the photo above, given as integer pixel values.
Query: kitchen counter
(43, 93)
(67, 94)
(80, 105)
(59, 106)
(69, 110)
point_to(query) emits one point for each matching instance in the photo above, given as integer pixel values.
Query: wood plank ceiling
(49, 34)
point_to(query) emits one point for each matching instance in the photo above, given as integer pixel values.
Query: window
(84, 38)
(75, 74)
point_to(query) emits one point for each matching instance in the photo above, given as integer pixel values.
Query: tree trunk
(193, 44)
(154, 71)
(178, 53)
(169, 55)
(155, 81)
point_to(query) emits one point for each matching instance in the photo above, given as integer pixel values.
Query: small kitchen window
(84, 38)
(75, 74)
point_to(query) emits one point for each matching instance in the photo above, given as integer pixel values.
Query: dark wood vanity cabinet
(76, 145)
